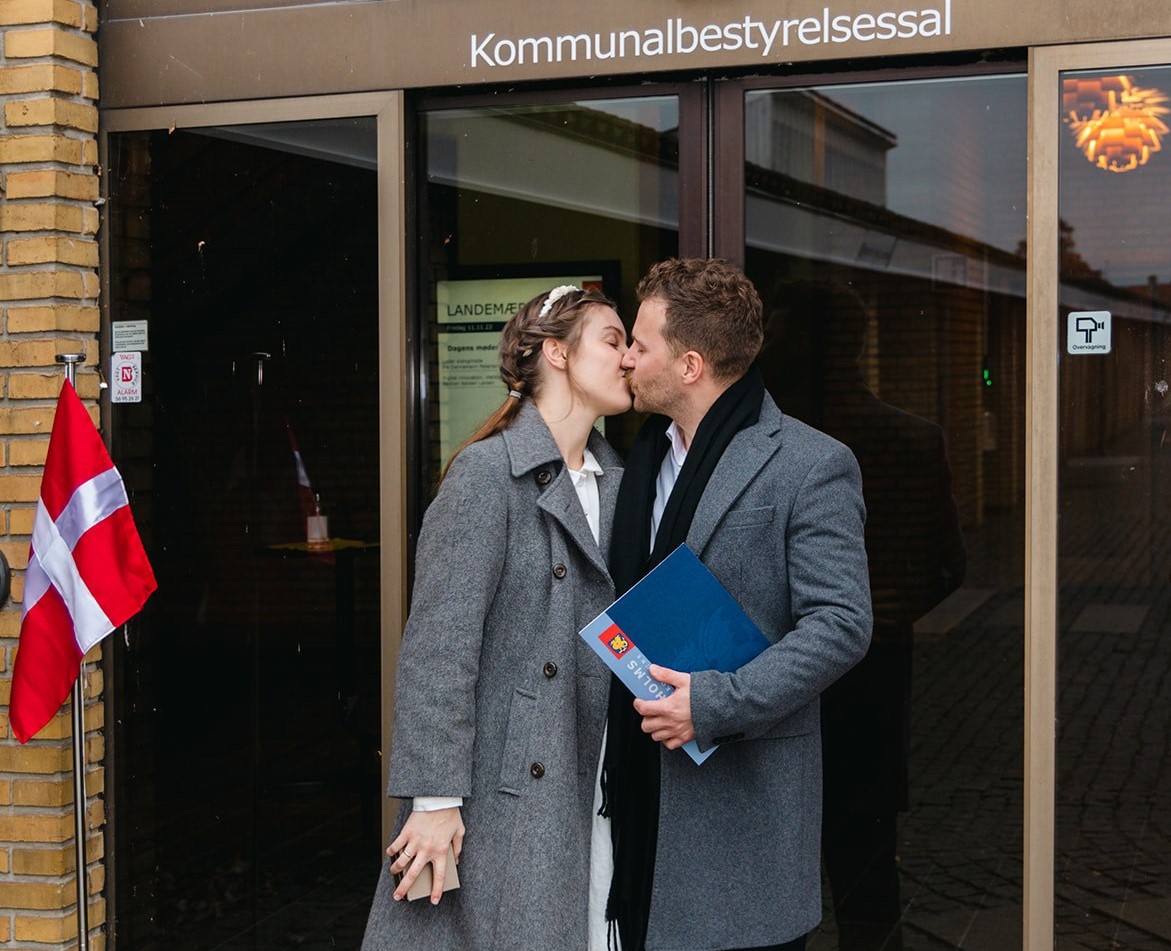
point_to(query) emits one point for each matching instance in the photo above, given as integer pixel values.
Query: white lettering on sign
(678, 37)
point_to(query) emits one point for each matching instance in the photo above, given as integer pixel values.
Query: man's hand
(424, 838)
(668, 721)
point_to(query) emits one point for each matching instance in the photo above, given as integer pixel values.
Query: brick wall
(48, 305)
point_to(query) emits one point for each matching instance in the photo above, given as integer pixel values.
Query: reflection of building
(297, 178)
(813, 138)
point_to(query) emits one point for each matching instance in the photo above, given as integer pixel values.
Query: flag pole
(70, 360)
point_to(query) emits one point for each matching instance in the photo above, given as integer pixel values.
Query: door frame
(1041, 443)
(387, 108)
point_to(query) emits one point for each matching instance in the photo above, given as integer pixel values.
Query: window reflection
(583, 190)
(884, 227)
(1113, 882)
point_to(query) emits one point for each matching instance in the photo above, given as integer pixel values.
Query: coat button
(550, 669)
(559, 571)
(536, 770)
(544, 476)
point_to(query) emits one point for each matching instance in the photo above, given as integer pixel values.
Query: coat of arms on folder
(677, 616)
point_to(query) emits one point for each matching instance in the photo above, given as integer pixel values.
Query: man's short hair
(712, 308)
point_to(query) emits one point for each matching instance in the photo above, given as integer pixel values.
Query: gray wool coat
(780, 524)
(499, 701)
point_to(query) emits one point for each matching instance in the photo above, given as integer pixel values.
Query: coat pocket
(746, 517)
(513, 761)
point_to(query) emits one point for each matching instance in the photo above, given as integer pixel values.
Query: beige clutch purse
(421, 887)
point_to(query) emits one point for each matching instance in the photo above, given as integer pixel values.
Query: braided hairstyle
(551, 315)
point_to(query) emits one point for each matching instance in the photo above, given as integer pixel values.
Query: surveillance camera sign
(1088, 331)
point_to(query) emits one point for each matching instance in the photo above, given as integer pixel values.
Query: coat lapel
(531, 450)
(746, 455)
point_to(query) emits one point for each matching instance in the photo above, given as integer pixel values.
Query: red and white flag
(87, 571)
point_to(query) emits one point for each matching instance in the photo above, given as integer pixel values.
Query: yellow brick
(89, 85)
(95, 781)
(13, 12)
(61, 726)
(46, 183)
(43, 792)
(16, 595)
(32, 386)
(19, 488)
(29, 353)
(31, 419)
(33, 285)
(96, 814)
(37, 760)
(85, 318)
(20, 522)
(46, 77)
(95, 847)
(5, 929)
(95, 752)
(5, 691)
(97, 880)
(59, 250)
(51, 112)
(17, 554)
(26, 44)
(88, 386)
(28, 452)
(37, 896)
(46, 929)
(34, 216)
(5, 795)
(46, 860)
(94, 685)
(5, 868)
(41, 148)
(36, 827)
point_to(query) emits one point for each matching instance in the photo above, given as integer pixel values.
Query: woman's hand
(424, 838)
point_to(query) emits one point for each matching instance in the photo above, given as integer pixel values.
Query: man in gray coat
(725, 855)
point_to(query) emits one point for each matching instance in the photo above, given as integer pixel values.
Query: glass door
(247, 789)
(516, 198)
(1113, 341)
(884, 224)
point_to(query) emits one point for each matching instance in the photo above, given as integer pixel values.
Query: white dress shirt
(665, 481)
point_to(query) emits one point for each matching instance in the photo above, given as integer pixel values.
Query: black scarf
(630, 777)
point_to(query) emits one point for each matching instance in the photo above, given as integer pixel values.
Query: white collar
(678, 450)
(589, 464)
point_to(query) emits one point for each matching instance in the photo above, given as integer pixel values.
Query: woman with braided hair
(499, 705)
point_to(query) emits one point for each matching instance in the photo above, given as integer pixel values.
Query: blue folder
(677, 616)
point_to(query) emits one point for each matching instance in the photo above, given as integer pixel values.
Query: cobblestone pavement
(960, 843)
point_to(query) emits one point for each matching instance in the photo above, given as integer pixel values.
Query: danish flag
(87, 570)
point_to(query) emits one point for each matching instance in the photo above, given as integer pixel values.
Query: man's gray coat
(497, 698)
(780, 524)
